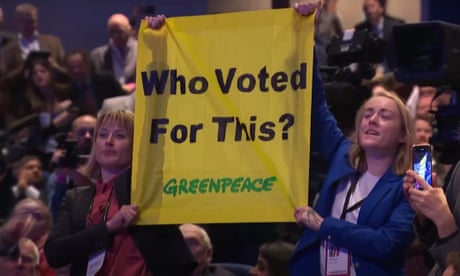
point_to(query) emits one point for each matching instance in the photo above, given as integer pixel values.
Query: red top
(122, 257)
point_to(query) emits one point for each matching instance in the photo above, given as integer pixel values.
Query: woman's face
(41, 76)
(261, 268)
(380, 129)
(113, 147)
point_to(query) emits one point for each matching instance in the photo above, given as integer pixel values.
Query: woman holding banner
(94, 233)
(362, 222)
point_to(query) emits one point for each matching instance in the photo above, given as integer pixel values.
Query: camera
(70, 159)
(428, 53)
(351, 58)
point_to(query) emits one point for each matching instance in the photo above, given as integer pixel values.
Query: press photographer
(71, 154)
(427, 54)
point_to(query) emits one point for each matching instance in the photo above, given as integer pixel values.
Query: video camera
(351, 58)
(428, 53)
(71, 158)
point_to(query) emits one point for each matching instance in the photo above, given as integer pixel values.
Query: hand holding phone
(422, 163)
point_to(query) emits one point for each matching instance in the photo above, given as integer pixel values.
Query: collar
(33, 37)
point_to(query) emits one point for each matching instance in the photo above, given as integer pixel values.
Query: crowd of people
(67, 126)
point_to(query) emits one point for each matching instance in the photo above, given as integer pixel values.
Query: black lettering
(157, 130)
(263, 76)
(279, 81)
(299, 77)
(251, 83)
(159, 83)
(225, 85)
(267, 131)
(198, 89)
(222, 126)
(174, 80)
(179, 133)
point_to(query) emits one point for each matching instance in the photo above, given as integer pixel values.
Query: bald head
(26, 19)
(119, 30)
(82, 131)
(199, 244)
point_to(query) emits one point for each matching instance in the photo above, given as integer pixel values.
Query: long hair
(121, 118)
(402, 159)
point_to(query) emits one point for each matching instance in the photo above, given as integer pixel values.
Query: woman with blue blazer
(362, 222)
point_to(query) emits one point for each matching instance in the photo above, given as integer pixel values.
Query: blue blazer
(378, 241)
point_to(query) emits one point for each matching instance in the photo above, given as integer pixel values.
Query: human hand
(307, 216)
(64, 118)
(62, 105)
(156, 22)
(307, 8)
(77, 176)
(122, 219)
(430, 202)
(23, 180)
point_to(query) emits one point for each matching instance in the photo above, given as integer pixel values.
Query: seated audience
(30, 219)
(201, 247)
(273, 259)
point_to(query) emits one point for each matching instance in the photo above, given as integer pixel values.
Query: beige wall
(350, 10)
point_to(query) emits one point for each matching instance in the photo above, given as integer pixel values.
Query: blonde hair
(24, 242)
(121, 118)
(402, 159)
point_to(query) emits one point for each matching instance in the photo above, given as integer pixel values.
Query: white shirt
(364, 186)
(28, 45)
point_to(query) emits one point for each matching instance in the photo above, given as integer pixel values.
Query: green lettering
(254, 187)
(170, 188)
(214, 185)
(246, 185)
(236, 185)
(203, 185)
(225, 183)
(193, 185)
(268, 183)
(183, 186)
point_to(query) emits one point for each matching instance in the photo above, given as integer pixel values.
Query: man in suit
(90, 88)
(377, 20)
(29, 39)
(119, 55)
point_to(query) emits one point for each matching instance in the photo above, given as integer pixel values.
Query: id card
(337, 260)
(95, 263)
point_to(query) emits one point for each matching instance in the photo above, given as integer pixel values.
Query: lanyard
(106, 208)
(346, 209)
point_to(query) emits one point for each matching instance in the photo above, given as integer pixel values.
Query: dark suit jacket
(13, 57)
(71, 242)
(388, 23)
(5, 38)
(103, 85)
(101, 58)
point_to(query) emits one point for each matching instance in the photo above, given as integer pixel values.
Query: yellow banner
(222, 125)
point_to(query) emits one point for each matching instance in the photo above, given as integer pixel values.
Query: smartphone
(422, 163)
